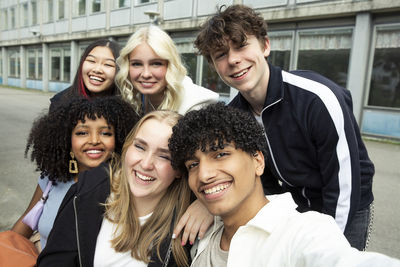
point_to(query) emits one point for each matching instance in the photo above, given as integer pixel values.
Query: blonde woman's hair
(129, 235)
(164, 47)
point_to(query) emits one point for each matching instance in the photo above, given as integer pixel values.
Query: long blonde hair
(120, 206)
(164, 47)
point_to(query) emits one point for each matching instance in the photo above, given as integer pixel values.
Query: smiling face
(98, 70)
(225, 180)
(244, 68)
(93, 142)
(147, 164)
(147, 73)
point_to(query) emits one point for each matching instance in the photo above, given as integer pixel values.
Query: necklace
(254, 111)
(147, 105)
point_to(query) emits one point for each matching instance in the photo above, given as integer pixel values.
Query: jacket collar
(275, 92)
(92, 178)
(275, 89)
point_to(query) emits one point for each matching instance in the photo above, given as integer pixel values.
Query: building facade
(356, 43)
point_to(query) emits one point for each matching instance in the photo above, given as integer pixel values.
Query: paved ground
(18, 178)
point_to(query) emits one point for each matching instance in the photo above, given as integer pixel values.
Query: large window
(281, 45)
(326, 52)
(34, 12)
(34, 63)
(4, 19)
(212, 81)
(24, 14)
(31, 61)
(190, 62)
(48, 11)
(13, 17)
(97, 6)
(60, 61)
(55, 64)
(122, 3)
(138, 2)
(189, 59)
(1, 65)
(61, 9)
(66, 65)
(385, 76)
(80, 7)
(14, 63)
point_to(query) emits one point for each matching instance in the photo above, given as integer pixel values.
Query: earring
(73, 164)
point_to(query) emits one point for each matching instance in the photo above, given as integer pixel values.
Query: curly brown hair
(50, 136)
(231, 23)
(213, 126)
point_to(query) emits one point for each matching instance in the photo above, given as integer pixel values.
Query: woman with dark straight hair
(95, 74)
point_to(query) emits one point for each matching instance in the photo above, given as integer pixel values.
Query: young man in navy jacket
(314, 143)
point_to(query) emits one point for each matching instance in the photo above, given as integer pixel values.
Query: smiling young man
(220, 150)
(313, 139)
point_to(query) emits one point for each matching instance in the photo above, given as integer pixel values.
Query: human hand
(196, 221)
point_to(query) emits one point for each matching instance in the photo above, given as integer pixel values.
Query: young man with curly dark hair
(220, 150)
(313, 139)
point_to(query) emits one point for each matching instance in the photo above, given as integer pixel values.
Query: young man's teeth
(215, 189)
(144, 178)
(240, 73)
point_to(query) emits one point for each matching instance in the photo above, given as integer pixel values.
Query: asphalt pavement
(18, 178)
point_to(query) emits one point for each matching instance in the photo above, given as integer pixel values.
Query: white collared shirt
(281, 236)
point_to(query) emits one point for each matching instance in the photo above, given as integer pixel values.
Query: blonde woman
(134, 227)
(153, 77)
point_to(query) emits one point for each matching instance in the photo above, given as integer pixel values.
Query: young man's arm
(332, 132)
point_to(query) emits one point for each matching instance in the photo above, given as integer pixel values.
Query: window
(80, 7)
(1, 65)
(327, 53)
(190, 62)
(60, 61)
(212, 81)
(34, 63)
(4, 19)
(97, 6)
(49, 11)
(31, 61)
(55, 64)
(123, 3)
(209, 78)
(13, 18)
(145, 1)
(385, 76)
(34, 12)
(40, 65)
(14, 63)
(24, 14)
(61, 9)
(281, 44)
(66, 65)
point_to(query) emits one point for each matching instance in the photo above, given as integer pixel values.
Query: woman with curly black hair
(77, 136)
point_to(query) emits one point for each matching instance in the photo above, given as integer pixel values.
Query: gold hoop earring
(73, 164)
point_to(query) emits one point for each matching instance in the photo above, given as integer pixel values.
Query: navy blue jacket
(315, 145)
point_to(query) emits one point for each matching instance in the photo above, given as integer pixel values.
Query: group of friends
(145, 168)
